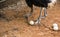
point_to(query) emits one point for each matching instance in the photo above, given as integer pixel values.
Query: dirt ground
(16, 25)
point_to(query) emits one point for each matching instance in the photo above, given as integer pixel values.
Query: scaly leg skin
(45, 12)
(39, 18)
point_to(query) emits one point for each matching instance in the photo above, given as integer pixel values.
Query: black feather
(39, 3)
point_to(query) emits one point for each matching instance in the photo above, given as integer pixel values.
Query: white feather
(53, 2)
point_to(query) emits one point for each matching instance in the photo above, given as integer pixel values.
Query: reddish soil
(18, 26)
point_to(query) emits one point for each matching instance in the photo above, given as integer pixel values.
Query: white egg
(55, 26)
(31, 22)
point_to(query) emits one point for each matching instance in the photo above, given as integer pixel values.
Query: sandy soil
(13, 24)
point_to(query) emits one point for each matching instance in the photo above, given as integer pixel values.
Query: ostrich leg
(40, 16)
(45, 12)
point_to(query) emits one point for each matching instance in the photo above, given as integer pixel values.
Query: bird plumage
(39, 3)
